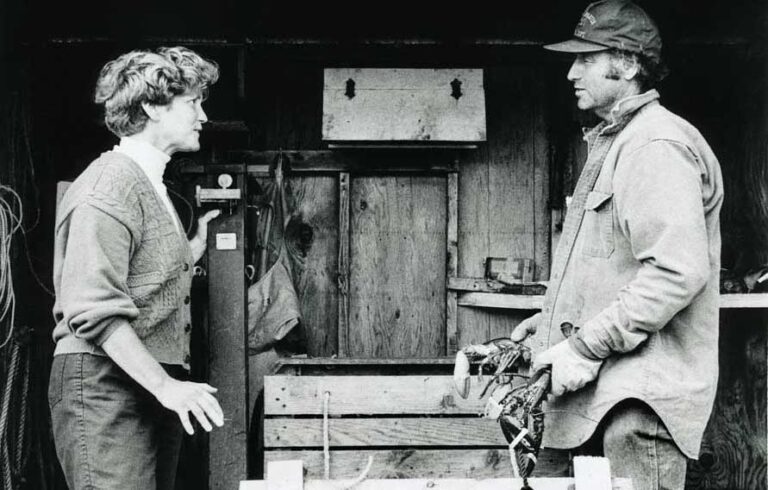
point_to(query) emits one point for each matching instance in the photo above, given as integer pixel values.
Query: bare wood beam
(227, 349)
(343, 264)
(482, 285)
(452, 235)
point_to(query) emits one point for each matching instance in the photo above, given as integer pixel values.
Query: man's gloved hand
(570, 370)
(526, 328)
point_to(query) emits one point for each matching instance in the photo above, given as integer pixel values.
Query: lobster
(516, 405)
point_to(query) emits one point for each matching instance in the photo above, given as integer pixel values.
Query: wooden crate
(412, 425)
(590, 474)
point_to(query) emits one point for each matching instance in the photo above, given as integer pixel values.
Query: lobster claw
(461, 379)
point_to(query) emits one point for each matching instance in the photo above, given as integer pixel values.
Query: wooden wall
(504, 192)
(397, 227)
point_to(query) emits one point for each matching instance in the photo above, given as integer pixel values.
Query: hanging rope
(326, 438)
(327, 452)
(11, 455)
(10, 223)
(19, 411)
(13, 405)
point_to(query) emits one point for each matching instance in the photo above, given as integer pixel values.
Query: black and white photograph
(402, 245)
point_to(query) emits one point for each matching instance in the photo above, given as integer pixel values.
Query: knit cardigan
(119, 259)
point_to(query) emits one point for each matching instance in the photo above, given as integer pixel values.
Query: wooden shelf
(522, 302)
(348, 361)
(757, 300)
(500, 300)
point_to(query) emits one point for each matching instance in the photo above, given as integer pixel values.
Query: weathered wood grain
(360, 161)
(342, 274)
(441, 484)
(303, 395)
(314, 231)
(414, 463)
(227, 351)
(503, 194)
(754, 300)
(349, 364)
(733, 453)
(452, 251)
(542, 167)
(504, 301)
(403, 104)
(397, 266)
(476, 431)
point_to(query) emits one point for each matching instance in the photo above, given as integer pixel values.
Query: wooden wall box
(399, 105)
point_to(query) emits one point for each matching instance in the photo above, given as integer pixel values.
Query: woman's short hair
(139, 77)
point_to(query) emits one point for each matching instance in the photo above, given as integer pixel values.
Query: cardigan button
(186, 300)
(185, 267)
(187, 359)
(187, 328)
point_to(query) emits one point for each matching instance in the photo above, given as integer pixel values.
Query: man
(634, 281)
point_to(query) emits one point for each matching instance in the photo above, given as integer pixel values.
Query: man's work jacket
(638, 274)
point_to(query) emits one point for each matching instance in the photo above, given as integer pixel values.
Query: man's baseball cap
(613, 24)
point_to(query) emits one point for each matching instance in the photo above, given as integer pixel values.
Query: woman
(122, 273)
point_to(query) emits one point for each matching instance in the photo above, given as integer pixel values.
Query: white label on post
(226, 241)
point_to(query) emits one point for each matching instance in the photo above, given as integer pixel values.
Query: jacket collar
(621, 114)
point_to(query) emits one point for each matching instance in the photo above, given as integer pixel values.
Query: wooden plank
(404, 361)
(500, 195)
(313, 238)
(452, 247)
(534, 302)
(541, 171)
(297, 395)
(443, 484)
(292, 432)
(511, 212)
(397, 267)
(482, 285)
(733, 451)
(757, 300)
(473, 206)
(343, 265)
(592, 473)
(285, 475)
(416, 463)
(227, 352)
(506, 301)
(370, 160)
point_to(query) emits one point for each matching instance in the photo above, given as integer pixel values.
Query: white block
(592, 473)
(285, 475)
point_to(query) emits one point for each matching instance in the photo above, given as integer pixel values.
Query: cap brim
(576, 46)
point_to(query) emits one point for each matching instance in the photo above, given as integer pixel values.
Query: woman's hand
(200, 239)
(184, 397)
(128, 352)
(202, 222)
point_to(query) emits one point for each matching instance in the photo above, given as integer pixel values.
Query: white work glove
(570, 370)
(526, 328)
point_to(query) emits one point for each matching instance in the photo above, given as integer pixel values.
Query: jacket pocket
(142, 285)
(56, 381)
(597, 227)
